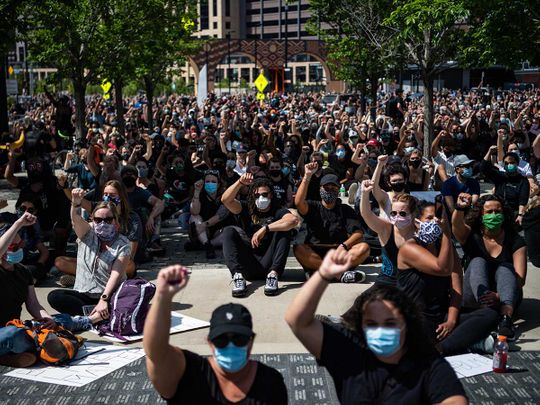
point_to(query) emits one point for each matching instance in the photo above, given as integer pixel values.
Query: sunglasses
(222, 341)
(400, 213)
(30, 210)
(99, 220)
(414, 160)
(265, 195)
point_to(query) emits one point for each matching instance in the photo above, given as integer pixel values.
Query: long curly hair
(417, 341)
(473, 216)
(253, 210)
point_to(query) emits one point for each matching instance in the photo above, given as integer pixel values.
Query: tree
(429, 31)
(64, 34)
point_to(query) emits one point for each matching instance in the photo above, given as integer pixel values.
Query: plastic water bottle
(342, 191)
(500, 355)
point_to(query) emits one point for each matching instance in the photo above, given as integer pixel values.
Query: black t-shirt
(14, 291)
(280, 190)
(475, 247)
(360, 378)
(431, 293)
(314, 187)
(531, 226)
(199, 385)
(340, 166)
(325, 226)
(274, 214)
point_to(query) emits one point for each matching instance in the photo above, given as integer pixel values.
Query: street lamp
(206, 48)
(229, 60)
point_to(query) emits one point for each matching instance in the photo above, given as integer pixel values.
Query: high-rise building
(261, 20)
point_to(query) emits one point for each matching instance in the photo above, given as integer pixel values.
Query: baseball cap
(330, 179)
(230, 318)
(373, 142)
(461, 160)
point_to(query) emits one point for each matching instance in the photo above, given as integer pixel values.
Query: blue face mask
(383, 341)
(15, 257)
(340, 153)
(114, 200)
(467, 172)
(286, 170)
(210, 188)
(231, 358)
(231, 164)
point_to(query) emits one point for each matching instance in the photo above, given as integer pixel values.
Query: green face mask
(510, 168)
(492, 221)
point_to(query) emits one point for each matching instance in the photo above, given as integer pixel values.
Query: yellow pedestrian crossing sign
(260, 96)
(261, 82)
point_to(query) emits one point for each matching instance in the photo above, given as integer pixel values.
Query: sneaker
(210, 253)
(67, 280)
(484, 346)
(239, 285)
(353, 276)
(352, 193)
(271, 286)
(506, 328)
(18, 360)
(80, 323)
(155, 249)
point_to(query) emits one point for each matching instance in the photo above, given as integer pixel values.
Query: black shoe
(506, 328)
(210, 253)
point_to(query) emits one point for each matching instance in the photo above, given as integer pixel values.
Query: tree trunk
(79, 88)
(374, 81)
(428, 113)
(363, 94)
(149, 86)
(119, 103)
(4, 122)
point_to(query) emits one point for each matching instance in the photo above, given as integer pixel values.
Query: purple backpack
(128, 308)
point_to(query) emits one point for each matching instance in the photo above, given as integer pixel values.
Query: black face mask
(319, 163)
(128, 181)
(275, 172)
(398, 187)
(416, 164)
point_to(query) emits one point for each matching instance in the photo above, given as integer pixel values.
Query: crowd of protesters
(254, 179)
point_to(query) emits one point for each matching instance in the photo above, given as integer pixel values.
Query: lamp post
(206, 49)
(229, 60)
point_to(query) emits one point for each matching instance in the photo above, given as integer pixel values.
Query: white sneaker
(271, 286)
(353, 276)
(484, 346)
(353, 189)
(239, 285)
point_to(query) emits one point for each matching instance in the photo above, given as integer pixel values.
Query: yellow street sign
(10, 70)
(105, 86)
(106, 96)
(261, 82)
(260, 96)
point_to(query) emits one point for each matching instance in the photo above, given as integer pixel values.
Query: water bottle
(342, 191)
(500, 355)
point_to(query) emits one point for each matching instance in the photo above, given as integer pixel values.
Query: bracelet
(344, 246)
(76, 205)
(267, 228)
(520, 215)
(328, 280)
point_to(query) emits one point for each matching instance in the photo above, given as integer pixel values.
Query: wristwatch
(104, 297)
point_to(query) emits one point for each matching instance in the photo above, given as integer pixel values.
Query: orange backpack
(54, 346)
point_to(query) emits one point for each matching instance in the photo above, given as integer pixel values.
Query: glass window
(214, 8)
(301, 74)
(315, 73)
(227, 8)
(204, 18)
(244, 74)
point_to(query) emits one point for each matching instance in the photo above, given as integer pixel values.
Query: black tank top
(389, 254)
(432, 293)
(415, 186)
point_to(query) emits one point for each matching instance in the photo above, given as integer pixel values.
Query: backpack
(128, 308)
(54, 346)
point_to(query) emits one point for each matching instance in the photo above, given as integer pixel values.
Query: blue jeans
(16, 340)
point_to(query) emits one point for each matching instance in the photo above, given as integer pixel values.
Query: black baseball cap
(230, 318)
(330, 179)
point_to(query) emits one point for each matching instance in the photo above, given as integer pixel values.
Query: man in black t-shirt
(330, 225)
(259, 248)
(282, 186)
(228, 376)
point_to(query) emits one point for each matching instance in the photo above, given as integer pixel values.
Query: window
(227, 8)
(220, 73)
(315, 73)
(214, 8)
(215, 25)
(204, 15)
(301, 74)
(228, 25)
(244, 74)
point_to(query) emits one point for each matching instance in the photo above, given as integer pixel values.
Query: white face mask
(262, 203)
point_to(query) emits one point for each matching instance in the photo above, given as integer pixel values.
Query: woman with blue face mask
(228, 376)
(378, 351)
(208, 215)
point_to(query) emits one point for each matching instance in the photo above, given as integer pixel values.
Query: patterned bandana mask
(429, 232)
(329, 197)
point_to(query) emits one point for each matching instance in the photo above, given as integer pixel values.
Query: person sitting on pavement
(497, 257)
(381, 339)
(331, 224)
(209, 217)
(392, 232)
(531, 226)
(281, 183)
(85, 178)
(395, 177)
(419, 177)
(228, 376)
(102, 256)
(511, 186)
(461, 182)
(36, 254)
(259, 248)
(430, 273)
